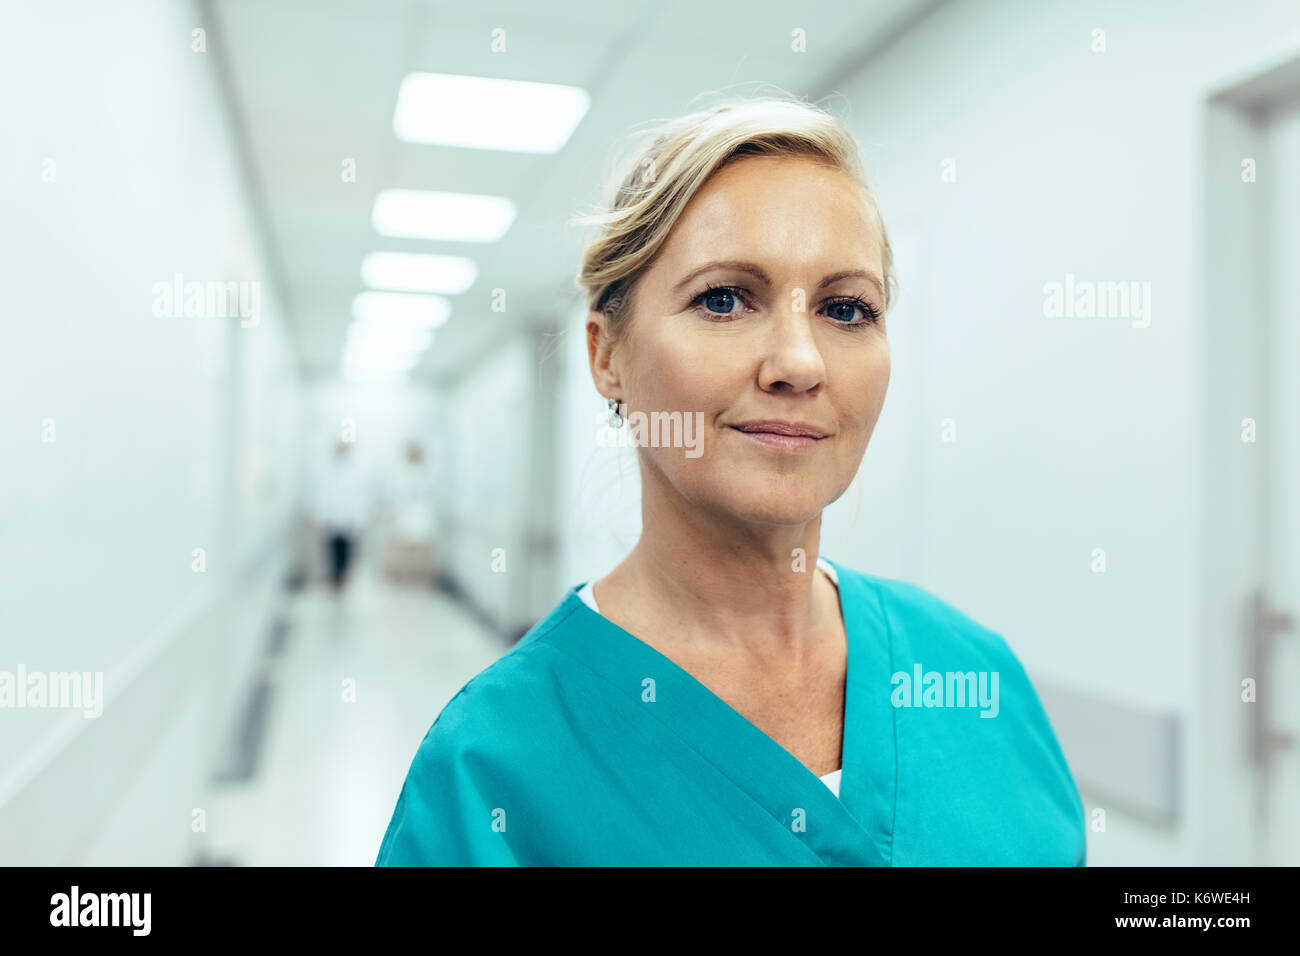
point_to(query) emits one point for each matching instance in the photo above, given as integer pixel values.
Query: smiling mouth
(781, 436)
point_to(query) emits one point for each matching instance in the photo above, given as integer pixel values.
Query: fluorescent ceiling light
(426, 311)
(402, 338)
(381, 346)
(482, 112)
(461, 217)
(416, 272)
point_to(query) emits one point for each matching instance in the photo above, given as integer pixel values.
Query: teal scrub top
(584, 746)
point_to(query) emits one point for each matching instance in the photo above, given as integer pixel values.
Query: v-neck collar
(746, 755)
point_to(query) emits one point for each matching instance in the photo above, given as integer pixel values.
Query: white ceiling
(315, 82)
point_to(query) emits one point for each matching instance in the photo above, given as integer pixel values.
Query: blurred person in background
(340, 507)
(410, 555)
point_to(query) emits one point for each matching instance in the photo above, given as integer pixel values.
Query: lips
(782, 437)
(775, 427)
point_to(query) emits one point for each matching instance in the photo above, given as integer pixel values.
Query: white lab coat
(341, 496)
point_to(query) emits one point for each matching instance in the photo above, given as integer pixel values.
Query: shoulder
(509, 703)
(485, 750)
(509, 688)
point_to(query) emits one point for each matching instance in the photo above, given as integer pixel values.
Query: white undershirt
(832, 779)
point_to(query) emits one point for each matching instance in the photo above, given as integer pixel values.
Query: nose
(791, 361)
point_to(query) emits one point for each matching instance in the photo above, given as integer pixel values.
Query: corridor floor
(351, 694)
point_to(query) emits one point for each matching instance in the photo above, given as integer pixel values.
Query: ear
(600, 356)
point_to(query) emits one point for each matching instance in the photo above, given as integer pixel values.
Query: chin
(777, 509)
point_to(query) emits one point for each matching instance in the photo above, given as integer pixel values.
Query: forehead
(794, 210)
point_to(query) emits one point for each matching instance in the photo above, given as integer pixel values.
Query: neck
(722, 581)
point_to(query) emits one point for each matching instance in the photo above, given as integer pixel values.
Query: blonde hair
(647, 196)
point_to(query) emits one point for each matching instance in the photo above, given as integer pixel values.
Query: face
(764, 305)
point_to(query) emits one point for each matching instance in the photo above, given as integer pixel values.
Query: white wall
(528, 407)
(600, 486)
(487, 498)
(170, 433)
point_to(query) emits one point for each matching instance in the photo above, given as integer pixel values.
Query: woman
(718, 698)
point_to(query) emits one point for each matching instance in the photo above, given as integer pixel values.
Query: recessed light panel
(456, 217)
(418, 272)
(481, 112)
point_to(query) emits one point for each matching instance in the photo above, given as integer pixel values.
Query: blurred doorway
(1253, 448)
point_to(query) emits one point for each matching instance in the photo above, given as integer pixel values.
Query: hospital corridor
(301, 765)
(508, 365)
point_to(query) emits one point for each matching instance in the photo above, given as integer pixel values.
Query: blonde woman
(721, 697)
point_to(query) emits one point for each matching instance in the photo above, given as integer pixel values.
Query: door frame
(1234, 788)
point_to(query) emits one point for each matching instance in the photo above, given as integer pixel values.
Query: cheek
(863, 384)
(682, 373)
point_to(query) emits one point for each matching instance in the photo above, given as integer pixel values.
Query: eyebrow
(757, 271)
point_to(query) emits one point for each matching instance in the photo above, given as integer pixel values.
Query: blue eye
(838, 310)
(719, 299)
(869, 312)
